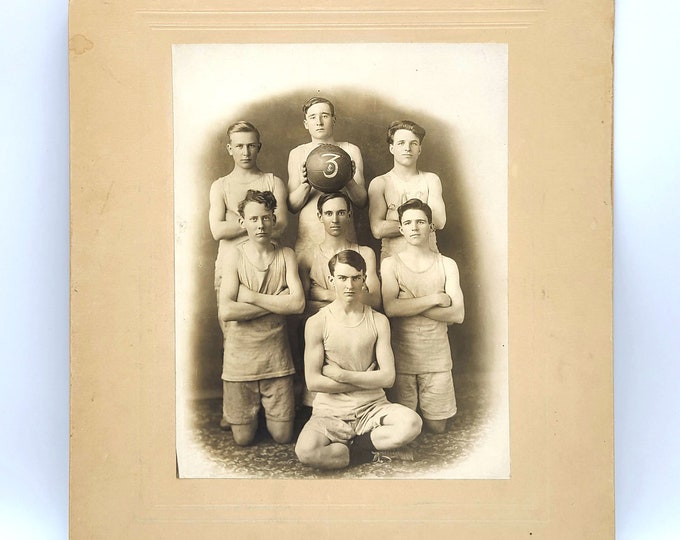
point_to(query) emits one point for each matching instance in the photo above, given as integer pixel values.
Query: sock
(361, 449)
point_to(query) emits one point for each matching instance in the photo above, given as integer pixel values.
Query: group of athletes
(363, 333)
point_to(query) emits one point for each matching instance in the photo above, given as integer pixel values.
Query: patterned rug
(212, 453)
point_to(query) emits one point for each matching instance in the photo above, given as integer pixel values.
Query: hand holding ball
(329, 168)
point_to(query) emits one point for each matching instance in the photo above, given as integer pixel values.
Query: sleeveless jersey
(420, 344)
(233, 193)
(258, 349)
(351, 348)
(397, 192)
(319, 270)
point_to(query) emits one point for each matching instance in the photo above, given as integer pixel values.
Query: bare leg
(315, 450)
(435, 426)
(281, 432)
(399, 427)
(244, 434)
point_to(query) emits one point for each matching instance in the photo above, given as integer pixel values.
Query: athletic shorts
(241, 400)
(343, 430)
(432, 391)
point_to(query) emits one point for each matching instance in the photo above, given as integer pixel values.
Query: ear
(229, 150)
(305, 123)
(432, 227)
(241, 222)
(318, 216)
(391, 149)
(273, 219)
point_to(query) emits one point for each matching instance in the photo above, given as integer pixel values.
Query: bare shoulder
(288, 253)
(381, 321)
(217, 184)
(297, 152)
(314, 324)
(377, 185)
(367, 253)
(387, 265)
(353, 149)
(431, 177)
(449, 264)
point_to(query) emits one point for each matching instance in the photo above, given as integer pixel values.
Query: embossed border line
(449, 19)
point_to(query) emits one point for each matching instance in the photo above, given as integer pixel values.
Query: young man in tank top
(348, 362)
(422, 296)
(319, 121)
(403, 182)
(334, 211)
(260, 285)
(243, 145)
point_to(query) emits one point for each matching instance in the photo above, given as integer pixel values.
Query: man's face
(405, 147)
(335, 216)
(258, 222)
(244, 147)
(415, 227)
(348, 283)
(319, 121)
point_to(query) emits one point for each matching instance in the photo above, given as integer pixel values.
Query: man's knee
(414, 423)
(281, 432)
(244, 435)
(306, 452)
(409, 425)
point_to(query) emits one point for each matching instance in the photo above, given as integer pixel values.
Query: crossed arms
(331, 378)
(238, 303)
(447, 306)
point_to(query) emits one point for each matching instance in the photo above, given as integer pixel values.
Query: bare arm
(229, 307)
(406, 307)
(224, 223)
(383, 377)
(435, 201)
(281, 212)
(282, 304)
(455, 313)
(298, 186)
(356, 187)
(372, 295)
(314, 359)
(377, 211)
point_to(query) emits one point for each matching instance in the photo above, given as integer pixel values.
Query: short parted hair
(350, 257)
(242, 127)
(415, 204)
(330, 196)
(313, 101)
(408, 125)
(265, 198)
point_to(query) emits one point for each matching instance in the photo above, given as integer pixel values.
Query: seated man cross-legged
(348, 363)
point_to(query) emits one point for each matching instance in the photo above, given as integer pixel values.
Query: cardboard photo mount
(123, 470)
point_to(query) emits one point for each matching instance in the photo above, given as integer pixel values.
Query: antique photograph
(341, 260)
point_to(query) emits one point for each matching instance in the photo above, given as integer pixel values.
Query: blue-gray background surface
(34, 269)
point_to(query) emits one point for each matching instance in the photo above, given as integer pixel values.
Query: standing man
(226, 193)
(348, 362)
(401, 183)
(319, 121)
(422, 296)
(260, 285)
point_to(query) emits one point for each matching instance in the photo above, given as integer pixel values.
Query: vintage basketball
(329, 168)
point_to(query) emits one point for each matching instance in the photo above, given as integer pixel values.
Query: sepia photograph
(341, 260)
